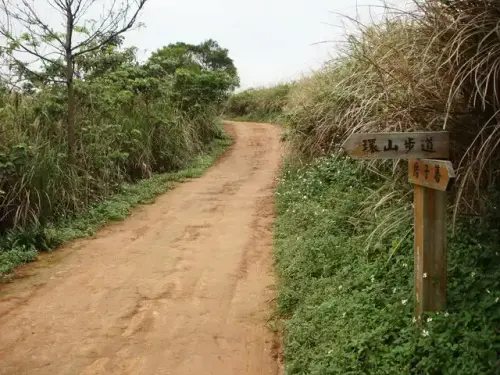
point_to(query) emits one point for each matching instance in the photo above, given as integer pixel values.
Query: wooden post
(430, 249)
(431, 179)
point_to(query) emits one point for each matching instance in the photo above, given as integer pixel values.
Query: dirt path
(181, 287)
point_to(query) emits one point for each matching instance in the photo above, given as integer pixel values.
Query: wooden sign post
(431, 179)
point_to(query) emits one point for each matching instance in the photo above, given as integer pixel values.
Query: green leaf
(81, 29)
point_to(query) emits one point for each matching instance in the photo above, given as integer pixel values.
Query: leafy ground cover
(346, 295)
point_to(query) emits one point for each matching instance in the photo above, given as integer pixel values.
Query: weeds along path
(181, 287)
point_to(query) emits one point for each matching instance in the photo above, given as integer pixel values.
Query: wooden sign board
(412, 145)
(434, 174)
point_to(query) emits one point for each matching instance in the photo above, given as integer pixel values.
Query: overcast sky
(269, 40)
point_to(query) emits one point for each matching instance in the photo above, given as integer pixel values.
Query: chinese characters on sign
(428, 145)
(435, 174)
(369, 145)
(398, 145)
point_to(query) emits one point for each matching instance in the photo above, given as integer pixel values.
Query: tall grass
(129, 142)
(132, 121)
(434, 68)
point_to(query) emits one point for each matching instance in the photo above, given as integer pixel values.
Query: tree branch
(103, 27)
(113, 34)
(38, 75)
(32, 16)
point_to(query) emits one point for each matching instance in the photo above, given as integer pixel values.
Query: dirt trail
(181, 287)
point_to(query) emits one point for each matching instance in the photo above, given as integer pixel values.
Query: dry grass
(432, 69)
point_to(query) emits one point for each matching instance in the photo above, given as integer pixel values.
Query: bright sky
(269, 40)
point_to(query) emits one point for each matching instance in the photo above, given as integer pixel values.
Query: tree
(206, 56)
(59, 51)
(200, 74)
(213, 57)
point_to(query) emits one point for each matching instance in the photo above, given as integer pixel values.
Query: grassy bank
(347, 295)
(21, 246)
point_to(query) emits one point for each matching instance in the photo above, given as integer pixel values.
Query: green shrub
(265, 104)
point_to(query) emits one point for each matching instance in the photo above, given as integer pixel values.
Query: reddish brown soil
(181, 287)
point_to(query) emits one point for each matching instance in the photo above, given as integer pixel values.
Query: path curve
(181, 287)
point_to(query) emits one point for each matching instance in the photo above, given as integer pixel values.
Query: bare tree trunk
(71, 113)
(70, 68)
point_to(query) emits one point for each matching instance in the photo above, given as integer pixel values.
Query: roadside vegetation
(261, 105)
(82, 122)
(344, 254)
(22, 245)
(344, 236)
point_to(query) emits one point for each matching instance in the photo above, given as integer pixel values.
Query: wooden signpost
(431, 179)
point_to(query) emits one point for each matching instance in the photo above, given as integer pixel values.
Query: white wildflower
(429, 320)
(340, 287)
(372, 278)
(414, 320)
(487, 291)
(425, 333)
(405, 265)
(425, 275)
(404, 301)
(343, 315)
(446, 314)
(394, 290)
